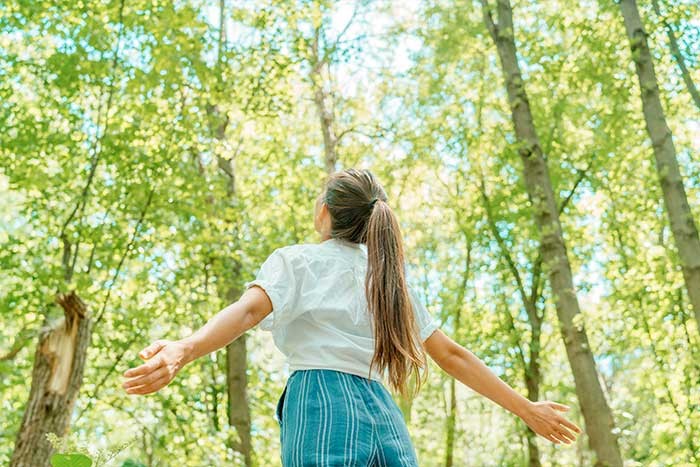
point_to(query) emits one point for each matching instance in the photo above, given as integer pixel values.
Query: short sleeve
(425, 321)
(277, 278)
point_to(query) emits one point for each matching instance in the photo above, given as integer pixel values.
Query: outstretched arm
(467, 368)
(229, 324)
(165, 358)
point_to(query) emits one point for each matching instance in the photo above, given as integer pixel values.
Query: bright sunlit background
(153, 154)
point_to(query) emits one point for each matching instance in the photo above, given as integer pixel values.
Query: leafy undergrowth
(71, 454)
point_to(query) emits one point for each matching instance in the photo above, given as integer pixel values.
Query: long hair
(359, 213)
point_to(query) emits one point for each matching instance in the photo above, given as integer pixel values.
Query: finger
(547, 436)
(569, 424)
(152, 349)
(558, 406)
(566, 435)
(143, 369)
(555, 435)
(145, 379)
(563, 439)
(153, 387)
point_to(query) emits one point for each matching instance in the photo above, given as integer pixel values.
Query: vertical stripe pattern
(333, 418)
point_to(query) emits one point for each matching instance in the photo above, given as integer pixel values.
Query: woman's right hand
(164, 359)
(544, 420)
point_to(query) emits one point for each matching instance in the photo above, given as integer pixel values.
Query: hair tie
(372, 201)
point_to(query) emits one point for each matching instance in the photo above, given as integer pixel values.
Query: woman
(345, 317)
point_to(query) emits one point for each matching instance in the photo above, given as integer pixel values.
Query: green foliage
(73, 454)
(207, 154)
(70, 460)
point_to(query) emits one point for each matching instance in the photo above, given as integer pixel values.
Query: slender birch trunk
(238, 403)
(238, 406)
(236, 352)
(323, 107)
(596, 412)
(685, 232)
(451, 422)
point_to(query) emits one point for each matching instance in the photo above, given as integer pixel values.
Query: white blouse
(319, 315)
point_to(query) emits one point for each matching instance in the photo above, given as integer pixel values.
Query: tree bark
(238, 408)
(451, 425)
(685, 232)
(325, 111)
(596, 412)
(533, 376)
(451, 422)
(236, 352)
(59, 362)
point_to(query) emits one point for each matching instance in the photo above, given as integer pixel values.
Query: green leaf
(71, 460)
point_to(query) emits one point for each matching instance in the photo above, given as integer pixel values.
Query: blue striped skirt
(333, 418)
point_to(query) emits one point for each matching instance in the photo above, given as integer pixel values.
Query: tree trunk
(451, 421)
(236, 352)
(325, 111)
(56, 378)
(596, 412)
(451, 424)
(532, 382)
(329, 138)
(685, 233)
(238, 407)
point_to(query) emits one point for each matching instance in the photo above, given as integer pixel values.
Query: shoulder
(315, 258)
(296, 254)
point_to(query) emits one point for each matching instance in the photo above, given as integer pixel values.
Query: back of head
(359, 212)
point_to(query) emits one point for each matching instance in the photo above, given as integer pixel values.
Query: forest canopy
(542, 158)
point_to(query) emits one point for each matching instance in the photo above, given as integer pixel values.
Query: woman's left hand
(543, 418)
